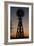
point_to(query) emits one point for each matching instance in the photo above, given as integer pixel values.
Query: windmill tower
(20, 32)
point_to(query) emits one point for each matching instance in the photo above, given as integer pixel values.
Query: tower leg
(20, 32)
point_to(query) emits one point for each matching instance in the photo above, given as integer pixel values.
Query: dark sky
(14, 18)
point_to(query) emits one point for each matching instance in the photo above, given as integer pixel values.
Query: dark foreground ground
(19, 37)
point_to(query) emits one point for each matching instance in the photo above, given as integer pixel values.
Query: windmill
(20, 32)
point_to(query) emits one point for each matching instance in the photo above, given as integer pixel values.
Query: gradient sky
(14, 18)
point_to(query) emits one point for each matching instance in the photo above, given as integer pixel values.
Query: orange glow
(13, 34)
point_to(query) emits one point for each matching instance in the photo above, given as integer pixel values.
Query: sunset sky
(14, 20)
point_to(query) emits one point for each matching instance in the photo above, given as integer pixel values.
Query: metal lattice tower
(20, 32)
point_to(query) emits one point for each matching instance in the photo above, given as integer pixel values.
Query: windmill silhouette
(20, 32)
